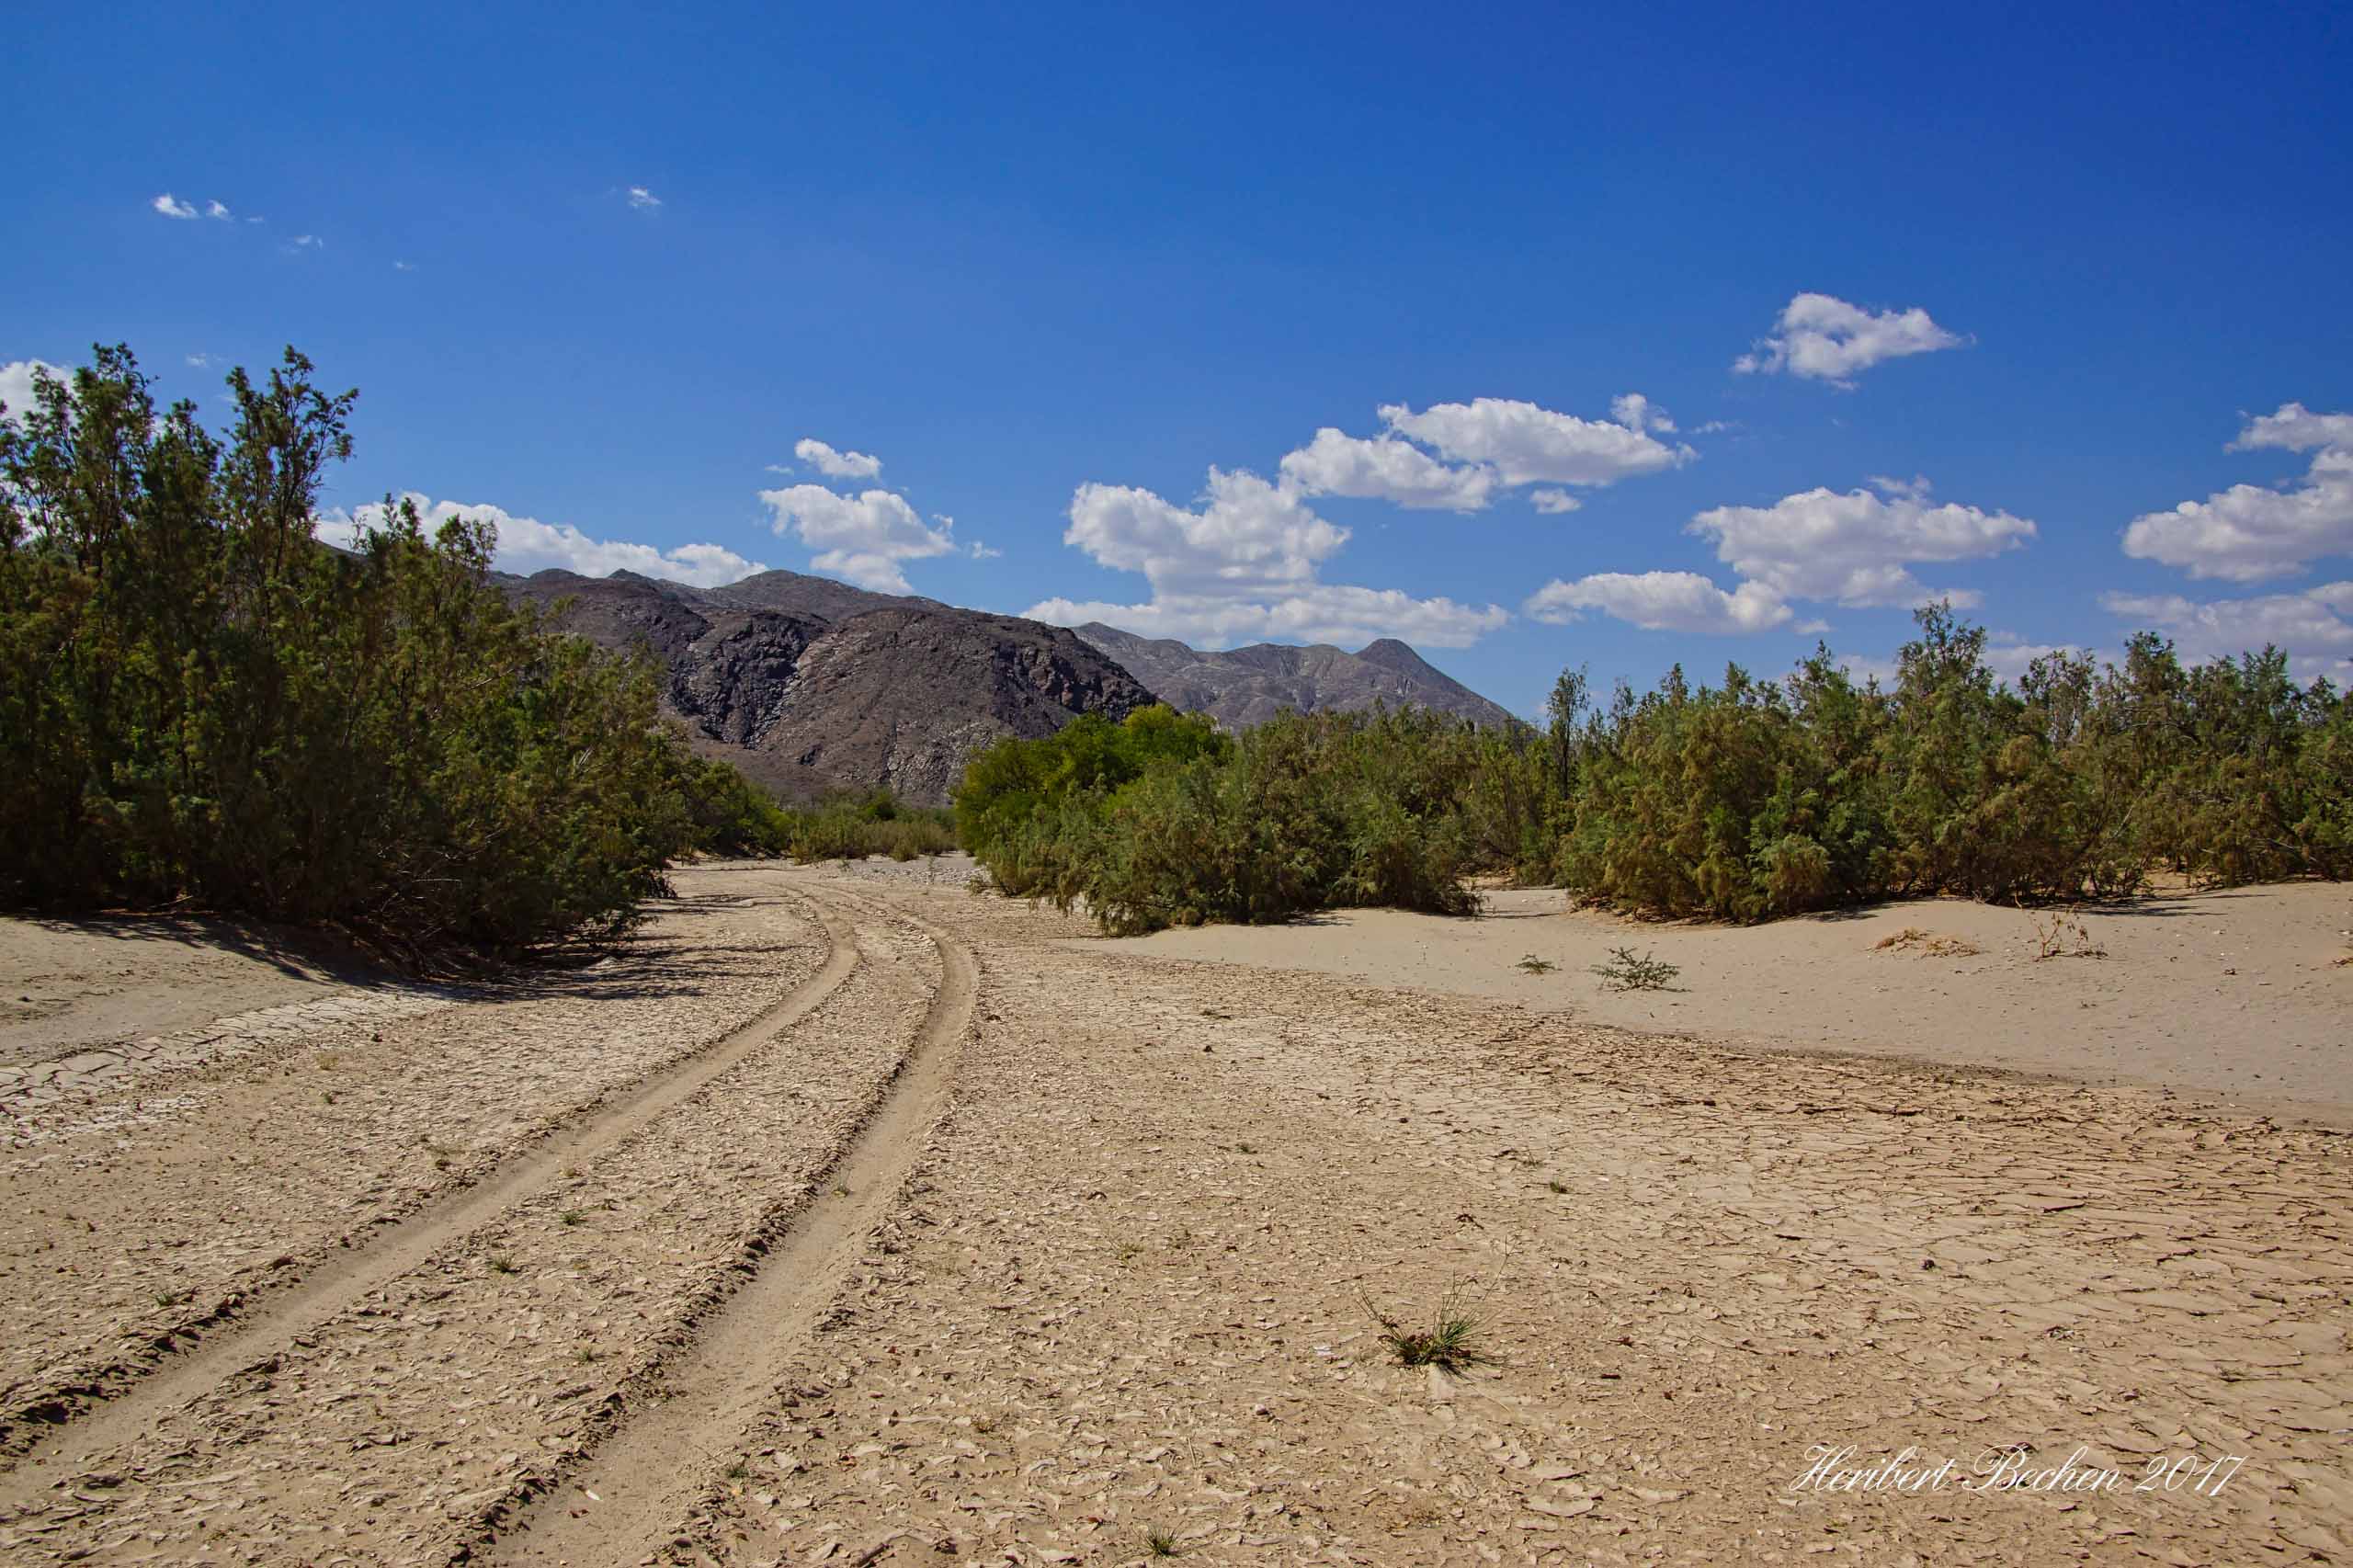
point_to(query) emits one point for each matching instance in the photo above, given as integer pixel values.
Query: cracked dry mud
(843, 1218)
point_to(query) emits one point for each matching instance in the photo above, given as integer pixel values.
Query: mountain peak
(809, 684)
(1390, 654)
(1240, 687)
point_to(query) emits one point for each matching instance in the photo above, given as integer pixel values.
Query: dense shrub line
(854, 824)
(1162, 820)
(1743, 802)
(737, 817)
(1755, 800)
(201, 703)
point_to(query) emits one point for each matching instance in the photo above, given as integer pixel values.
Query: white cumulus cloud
(216, 211)
(2296, 428)
(2313, 627)
(1385, 469)
(1637, 412)
(1244, 564)
(643, 200)
(1528, 445)
(1856, 548)
(1319, 612)
(1554, 502)
(171, 206)
(835, 464)
(1661, 601)
(526, 545)
(862, 539)
(2250, 531)
(1250, 537)
(1823, 338)
(16, 384)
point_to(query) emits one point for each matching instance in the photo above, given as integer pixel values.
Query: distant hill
(808, 683)
(1249, 685)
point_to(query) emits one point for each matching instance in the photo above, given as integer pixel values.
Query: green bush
(1751, 802)
(201, 703)
(1743, 802)
(732, 815)
(1163, 821)
(851, 825)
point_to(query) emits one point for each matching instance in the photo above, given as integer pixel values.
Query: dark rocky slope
(809, 684)
(1249, 685)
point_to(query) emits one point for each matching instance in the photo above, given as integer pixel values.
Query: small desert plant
(1627, 971)
(1927, 944)
(569, 1216)
(1159, 1543)
(502, 1264)
(1535, 965)
(2063, 935)
(1453, 1343)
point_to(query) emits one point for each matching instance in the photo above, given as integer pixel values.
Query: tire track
(647, 1471)
(113, 1415)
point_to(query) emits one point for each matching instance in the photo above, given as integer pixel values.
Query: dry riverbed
(843, 1217)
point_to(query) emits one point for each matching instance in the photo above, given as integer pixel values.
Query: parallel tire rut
(115, 1413)
(647, 1469)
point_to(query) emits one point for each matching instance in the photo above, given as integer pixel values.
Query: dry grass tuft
(1453, 1342)
(2062, 933)
(1927, 944)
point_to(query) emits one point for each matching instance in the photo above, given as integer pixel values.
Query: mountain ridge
(1247, 685)
(809, 684)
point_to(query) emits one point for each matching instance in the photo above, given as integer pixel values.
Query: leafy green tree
(206, 705)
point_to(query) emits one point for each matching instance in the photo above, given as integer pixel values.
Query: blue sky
(2035, 272)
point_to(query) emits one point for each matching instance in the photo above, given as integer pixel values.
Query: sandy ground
(2236, 994)
(846, 1217)
(65, 983)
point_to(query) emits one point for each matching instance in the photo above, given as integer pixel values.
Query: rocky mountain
(808, 683)
(1249, 685)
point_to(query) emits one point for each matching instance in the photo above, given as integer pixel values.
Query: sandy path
(1099, 1278)
(625, 1500)
(515, 1319)
(2237, 995)
(1125, 1298)
(132, 1223)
